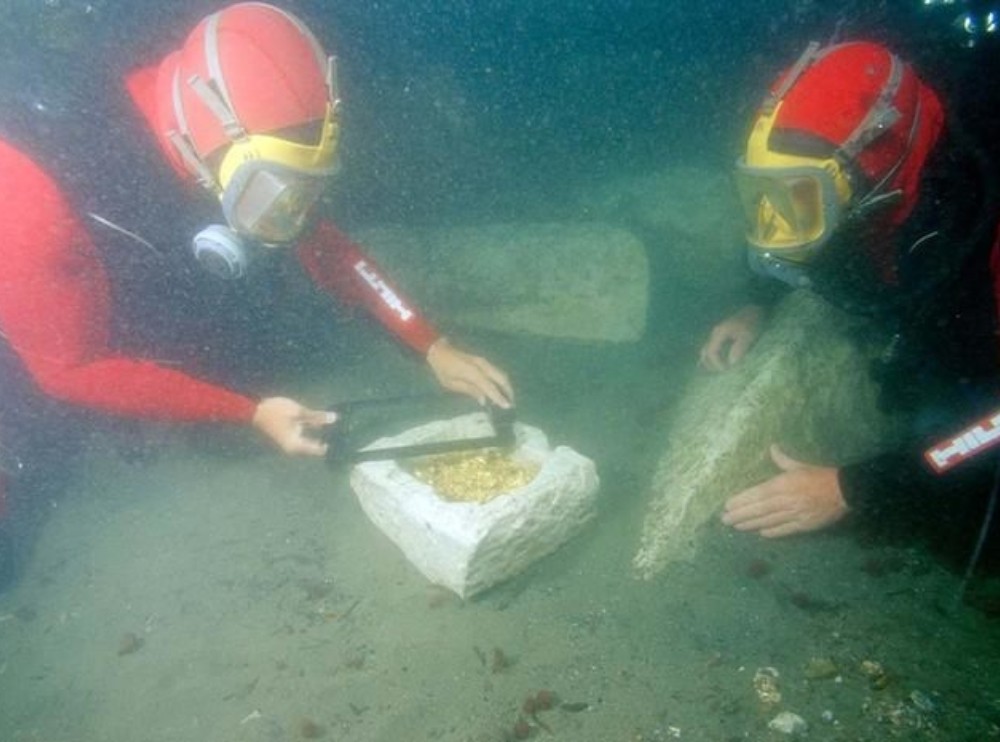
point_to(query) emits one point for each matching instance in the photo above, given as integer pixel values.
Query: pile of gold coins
(473, 476)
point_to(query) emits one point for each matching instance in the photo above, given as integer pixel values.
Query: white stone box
(471, 546)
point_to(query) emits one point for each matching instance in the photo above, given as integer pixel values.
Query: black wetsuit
(943, 366)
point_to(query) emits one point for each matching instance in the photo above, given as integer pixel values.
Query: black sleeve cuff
(886, 486)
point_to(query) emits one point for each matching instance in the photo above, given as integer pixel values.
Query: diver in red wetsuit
(248, 107)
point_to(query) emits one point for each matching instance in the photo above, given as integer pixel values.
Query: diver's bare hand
(802, 498)
(730, 340)
(464, 373)
(290, 425)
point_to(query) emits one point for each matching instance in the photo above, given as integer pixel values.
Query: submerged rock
(805, 386)
(691, 217)
(821, 668)
(788, 723)
(586, 281)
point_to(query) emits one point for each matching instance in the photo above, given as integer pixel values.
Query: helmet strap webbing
(214, 96)
(216, 103)
(183, 143)
(213, 92)
(805, 60)
(191, 160)
(332, 83)
(875, 195)
(880, 117)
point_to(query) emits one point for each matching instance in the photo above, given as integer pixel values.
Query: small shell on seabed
(129, 643)
(765, 683)
(788, 723)
(877, 676)
(872, 668)
(923, 702)
(820, 668)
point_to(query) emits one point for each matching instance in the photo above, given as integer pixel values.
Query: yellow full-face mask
(269, 184)
(792, 203)
(318, 159)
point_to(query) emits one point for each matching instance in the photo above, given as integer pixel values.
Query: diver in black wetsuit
(857, 185)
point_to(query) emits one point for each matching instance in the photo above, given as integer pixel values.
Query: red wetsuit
(55, 307)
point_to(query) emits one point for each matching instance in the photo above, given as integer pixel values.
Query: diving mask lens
(786, 208)
(272, 206)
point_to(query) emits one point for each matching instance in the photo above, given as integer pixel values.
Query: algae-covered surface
(805, 385)
(220, 594)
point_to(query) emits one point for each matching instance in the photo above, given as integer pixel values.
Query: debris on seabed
(255, 714)
(765, 683)
(788, 723)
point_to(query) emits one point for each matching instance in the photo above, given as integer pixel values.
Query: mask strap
(215, 76)
(874, 197)
(805, 60)
(182, 140)
(215, 97)
(212, 92)
(332, 83)
(215, 103)
(880, 117)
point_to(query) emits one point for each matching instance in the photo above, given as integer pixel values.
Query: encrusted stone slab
(585, 281)
(805, 386)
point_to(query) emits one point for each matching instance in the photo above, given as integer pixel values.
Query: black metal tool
(361, 421)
